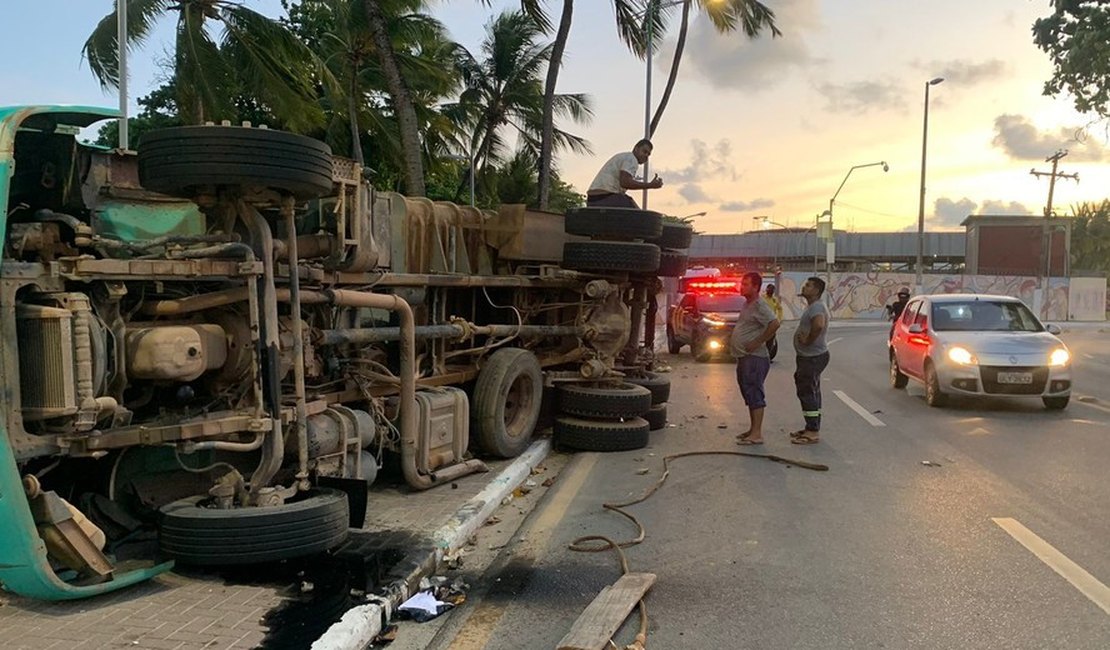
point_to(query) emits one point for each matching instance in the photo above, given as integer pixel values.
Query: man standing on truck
(755, 326)
(617, 175)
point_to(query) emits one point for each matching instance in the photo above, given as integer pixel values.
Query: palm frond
(102, 47)
(204, 88)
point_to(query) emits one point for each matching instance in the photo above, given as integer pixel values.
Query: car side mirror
(916, 328)
(1054, 330)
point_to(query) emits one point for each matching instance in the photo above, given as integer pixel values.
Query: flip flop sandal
(806, 439)
(747, 442)
(799, 432)
(744, 436)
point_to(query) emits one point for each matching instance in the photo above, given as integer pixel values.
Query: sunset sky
(765, 127)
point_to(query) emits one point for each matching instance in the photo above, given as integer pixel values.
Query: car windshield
(984, 316)
(725, 302)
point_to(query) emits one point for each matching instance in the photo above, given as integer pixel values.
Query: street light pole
(121, 40)
(832, 232)
(649, 17)
(919, 263)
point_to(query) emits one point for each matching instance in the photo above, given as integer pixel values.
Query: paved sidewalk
(184, 610)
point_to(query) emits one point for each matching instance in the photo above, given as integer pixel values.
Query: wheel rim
(518, 406)
(930, 384)
(893, 370)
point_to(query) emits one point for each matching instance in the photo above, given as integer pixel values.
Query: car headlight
(1059, 357)
(712, 322)
(962, 356)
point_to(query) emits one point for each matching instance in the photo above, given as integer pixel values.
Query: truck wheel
(507, 399)
(659, 385)
(673, 346)
(194, 533)
(634, 257)
(656, 417)
(672, 264)
(181, 160)
(615, 401)
(675, 235)
(600, 435)
(616, 223)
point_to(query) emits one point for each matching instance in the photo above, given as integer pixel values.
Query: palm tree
(504, 89)
(750, 16)
(401, 96)
(626, 10)
(251, 54)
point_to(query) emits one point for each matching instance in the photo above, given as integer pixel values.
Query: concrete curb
(360, 625)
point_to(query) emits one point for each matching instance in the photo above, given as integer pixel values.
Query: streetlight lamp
(919, 263)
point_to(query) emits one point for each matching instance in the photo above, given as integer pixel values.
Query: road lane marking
(863, 413)
(1086, 583)
(839, 338)
(1080, 400)
(1088, 355)
(478, 629)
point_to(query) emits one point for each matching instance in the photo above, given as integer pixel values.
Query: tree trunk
(352, 117)
(413, 167)
(674, 68)
(548, 136)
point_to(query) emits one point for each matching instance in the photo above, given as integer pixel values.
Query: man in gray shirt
(812, 358)
(755, 326)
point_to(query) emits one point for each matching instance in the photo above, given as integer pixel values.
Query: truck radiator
(47, 379)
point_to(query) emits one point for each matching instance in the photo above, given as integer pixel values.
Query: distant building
(1018, 245)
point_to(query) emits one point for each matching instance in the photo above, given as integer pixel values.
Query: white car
(972, 344)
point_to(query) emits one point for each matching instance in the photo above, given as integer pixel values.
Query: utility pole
(1045, 262)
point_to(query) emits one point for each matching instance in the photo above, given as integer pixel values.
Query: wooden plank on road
(604, 616)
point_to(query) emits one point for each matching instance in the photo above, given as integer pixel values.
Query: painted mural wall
(864, 295)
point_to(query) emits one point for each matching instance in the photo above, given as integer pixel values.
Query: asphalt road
(881, 551)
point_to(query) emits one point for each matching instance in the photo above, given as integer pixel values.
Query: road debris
(929, 463)
(642, 471)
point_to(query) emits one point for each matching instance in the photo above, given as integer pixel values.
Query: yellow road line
(1086, 583)
(479, 626)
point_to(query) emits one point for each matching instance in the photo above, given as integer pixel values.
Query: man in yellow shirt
(776, 306)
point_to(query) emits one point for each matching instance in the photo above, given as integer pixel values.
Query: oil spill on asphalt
(317, 591)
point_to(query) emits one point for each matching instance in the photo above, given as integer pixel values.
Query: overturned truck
(225, 334)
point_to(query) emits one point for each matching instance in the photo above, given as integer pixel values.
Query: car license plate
(1015, 378)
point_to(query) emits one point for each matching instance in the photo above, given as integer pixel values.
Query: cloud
(1004, 207)
(949, 213)
(862, 96)
(964, 73)
(747, 206)
(693, 193)
(737, 62)
(1021, 140)
(705, 163)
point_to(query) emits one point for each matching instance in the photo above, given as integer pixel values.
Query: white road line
(1088, 355)
(863, 413)
(839, 338)
(1093, 405)
(1086, 583)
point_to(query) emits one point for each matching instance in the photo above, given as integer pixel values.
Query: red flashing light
(716, 285)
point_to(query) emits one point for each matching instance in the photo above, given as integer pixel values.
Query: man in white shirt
(618, 175)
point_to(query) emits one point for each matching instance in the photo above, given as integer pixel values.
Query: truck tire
(675, 235)
(614, 401)
(507, 400)
(656, 417)
(672, 264)
(181, 160)
(193, 533)
(601, 435)
(633, 257)
(659, 385)
(613, 223)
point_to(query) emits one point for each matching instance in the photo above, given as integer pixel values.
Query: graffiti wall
(864, 295)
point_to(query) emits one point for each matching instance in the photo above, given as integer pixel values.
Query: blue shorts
(751, 372)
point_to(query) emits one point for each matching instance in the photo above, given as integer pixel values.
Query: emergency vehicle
(704, 316)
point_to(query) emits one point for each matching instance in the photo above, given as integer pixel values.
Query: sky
(755, 128)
